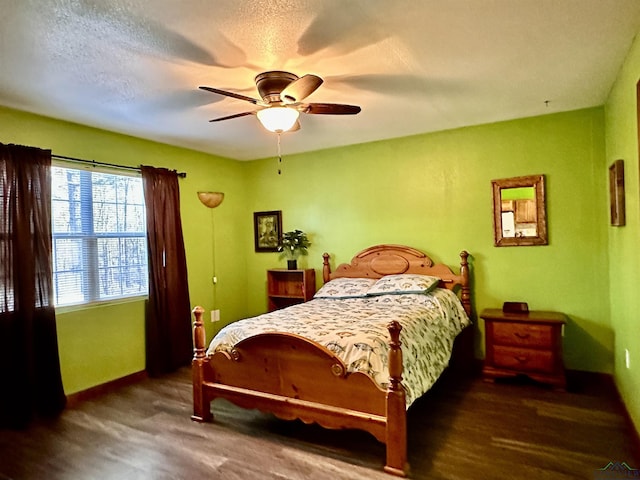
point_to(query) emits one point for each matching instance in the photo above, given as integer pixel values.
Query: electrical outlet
(215, 315)
(627, 358)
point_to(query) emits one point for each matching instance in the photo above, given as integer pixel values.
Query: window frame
(89, 238)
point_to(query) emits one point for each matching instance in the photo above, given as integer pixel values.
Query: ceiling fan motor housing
(270, 84)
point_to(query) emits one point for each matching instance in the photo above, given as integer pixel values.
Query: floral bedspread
(355, 329)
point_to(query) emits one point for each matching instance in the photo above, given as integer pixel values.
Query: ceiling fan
(280, 104)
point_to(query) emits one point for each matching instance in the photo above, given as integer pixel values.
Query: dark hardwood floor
(462, 429)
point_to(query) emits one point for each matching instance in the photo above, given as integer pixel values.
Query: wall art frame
(267, 230)
(616, 193)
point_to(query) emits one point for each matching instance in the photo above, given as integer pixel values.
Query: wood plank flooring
(463, 429)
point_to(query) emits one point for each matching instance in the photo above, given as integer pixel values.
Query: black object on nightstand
(515, 307)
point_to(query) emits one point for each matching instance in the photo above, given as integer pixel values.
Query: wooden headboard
(388, 259)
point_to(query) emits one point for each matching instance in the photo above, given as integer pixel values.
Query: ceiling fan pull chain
(279, 156)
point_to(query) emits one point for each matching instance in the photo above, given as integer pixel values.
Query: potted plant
(292, 245)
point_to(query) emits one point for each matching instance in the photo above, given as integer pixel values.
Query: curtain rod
(103, 164)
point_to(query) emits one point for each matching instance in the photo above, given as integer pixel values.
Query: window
(99, 236)
(6, 285)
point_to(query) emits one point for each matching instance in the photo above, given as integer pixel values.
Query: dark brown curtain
(29, 362)
(168, 315)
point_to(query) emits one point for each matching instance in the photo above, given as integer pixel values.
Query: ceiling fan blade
(233, 95)
(243, 114)
(329, 109)
(300, 88)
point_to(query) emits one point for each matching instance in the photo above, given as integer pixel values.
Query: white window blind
(99, 236)
(6, 290)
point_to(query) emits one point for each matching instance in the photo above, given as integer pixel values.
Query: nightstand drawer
(526, 335)
(523, 359)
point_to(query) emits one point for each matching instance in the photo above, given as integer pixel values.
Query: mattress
(355, 329)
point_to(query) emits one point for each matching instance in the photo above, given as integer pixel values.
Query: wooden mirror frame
(535, 181)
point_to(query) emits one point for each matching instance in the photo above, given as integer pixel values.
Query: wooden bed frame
(300, 379)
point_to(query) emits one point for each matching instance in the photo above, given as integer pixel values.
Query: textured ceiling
(134, 66)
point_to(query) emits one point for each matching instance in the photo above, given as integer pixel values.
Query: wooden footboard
(293, 377)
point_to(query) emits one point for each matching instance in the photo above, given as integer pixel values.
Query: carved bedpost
(199, 334)
(465, 296)
(201, 407)
(326, 268)
(396, 408)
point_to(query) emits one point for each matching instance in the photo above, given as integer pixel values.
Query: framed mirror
(519, 211)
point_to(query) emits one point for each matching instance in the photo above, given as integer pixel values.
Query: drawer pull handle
(522, 335)
(522, 359)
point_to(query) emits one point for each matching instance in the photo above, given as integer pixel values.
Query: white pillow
(345, 288)
(404, 283)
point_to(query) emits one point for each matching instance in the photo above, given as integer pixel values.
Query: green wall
(624, 255)
(433, 192)
(106, 342)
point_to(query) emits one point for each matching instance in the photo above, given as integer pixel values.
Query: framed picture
(267, 230)
(616, 193)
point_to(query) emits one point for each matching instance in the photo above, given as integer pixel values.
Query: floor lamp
(211, 200)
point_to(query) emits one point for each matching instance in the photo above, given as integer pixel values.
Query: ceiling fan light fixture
(278, 119)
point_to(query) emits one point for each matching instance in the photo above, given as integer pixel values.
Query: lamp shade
(211, 199)
(278, 119)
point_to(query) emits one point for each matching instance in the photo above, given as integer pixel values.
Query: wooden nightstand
(288, 287)
(527, 343)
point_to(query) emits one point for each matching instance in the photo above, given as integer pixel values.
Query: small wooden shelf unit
(288, 287)
(524, 343)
